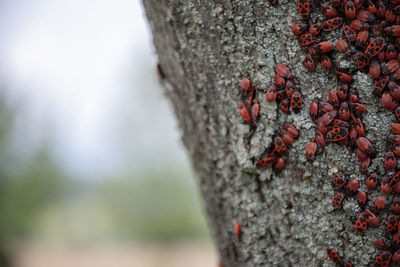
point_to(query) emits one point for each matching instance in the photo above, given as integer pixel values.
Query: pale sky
(81, 73)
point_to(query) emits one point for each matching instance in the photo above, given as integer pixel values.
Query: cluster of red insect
(335, 258)
(286, 136)
(252, 115)
(284, 90)
(372, 35)
(339, 120)
(289, 96)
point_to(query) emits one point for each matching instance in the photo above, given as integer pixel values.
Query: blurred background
(92, 170)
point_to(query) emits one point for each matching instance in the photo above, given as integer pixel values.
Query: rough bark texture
(205, 48)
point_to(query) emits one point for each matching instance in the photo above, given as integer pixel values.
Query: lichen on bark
(205, 48)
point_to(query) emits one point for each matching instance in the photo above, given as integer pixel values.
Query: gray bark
(205, 48)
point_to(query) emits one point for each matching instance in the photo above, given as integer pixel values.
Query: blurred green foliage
(155, 204)
(27, 186)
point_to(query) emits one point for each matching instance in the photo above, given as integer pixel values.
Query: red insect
(329, 11)
(370, 6)
(359, 25)
(326, 62)
(362, 198)
(363, 165)
(343, 47)
(245, 84)
(390, 16)
(324, 47)
(310, 150)
(393, 30)
(380, 9)
(333, 98)
(390, 52)
(237, 230)
(337, 200)
(352, 137)
(365, 145)
(314, 54)
(361, 224)
(344, 77)
(284, 105)
(375, 69)
(392, 222)
(396, 257)
(332, 24)
(379, 85)
(362, 40)
(372, 181)
(315, 29)
(286, 137)
(270, 96)
(264, 163)
(394, 139)
(349, 33)
(383, 259)
(388, 102)
(292, 130)
(344, 111)
(304, 8)
(284, 71)
(374, 47)
(361, 155)
(309, 63)
(395, 179)
(379, 204)
(395, 76)
(396, 205)
(339, 182)
(358, 108)
(352, 186)
(307, 39)
(395, 148)
(382, 244)
(342, 92)
(326, 107)
(362, 61)
(314, 110)
(396, 128)
(359, 128)
(280, 146)
(319, 138)
(244, 113)
(372, 220)
(327, 118)
(385, 185)
(337, 134)
(334, 257)
(255, 110)
(394, 90)
(365, 15)
(350, 9)
(290, 88)
(279, 81)
(390, 67)
(279, 164)
(296, 102)
(390, 161)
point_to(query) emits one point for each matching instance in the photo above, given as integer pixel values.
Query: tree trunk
(205, 48)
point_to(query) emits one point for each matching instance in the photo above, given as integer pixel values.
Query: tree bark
(205, 48)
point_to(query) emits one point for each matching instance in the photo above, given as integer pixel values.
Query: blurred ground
(139, 255)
